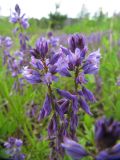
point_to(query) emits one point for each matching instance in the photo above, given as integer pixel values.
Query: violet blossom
(13, 146)
(16, 17)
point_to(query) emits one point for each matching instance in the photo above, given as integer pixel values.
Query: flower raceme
(17, 18)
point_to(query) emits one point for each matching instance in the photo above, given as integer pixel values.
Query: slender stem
(76, 75)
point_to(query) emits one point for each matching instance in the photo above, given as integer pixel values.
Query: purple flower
(62, 65)
(24, 23)
(8, 42)
(50, 34)
(64, 105)
(73, 122)
(84, 106)
(19, 157)
(17, 9)
(81, 78)
(16, 18)
(41, 48)
(32, 76)
(37, 63)
(18, 142)
(48, 78)
(13, 146)
(76, 41)
(54, 59)
(46, 109)
(91, 65)
(110, 154)
(74, 59)
(64, 72)
(23, 41)
(52, 126)
(107, 132)
(53, 41)
(74, 149)
(5, 42)
(88, 94)
(65, 94)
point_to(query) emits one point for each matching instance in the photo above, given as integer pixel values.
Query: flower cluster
(45, 68)
(13, 147)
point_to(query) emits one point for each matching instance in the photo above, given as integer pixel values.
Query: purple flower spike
(17, 18)
(75, 150)
(84, 106)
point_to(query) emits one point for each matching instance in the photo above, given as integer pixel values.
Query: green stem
(76, 75)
